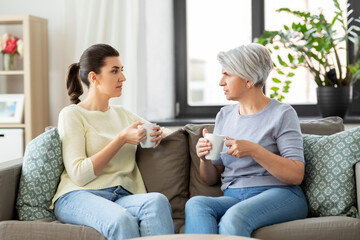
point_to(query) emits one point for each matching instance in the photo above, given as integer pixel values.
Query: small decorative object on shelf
(11, 108)
(9, 47)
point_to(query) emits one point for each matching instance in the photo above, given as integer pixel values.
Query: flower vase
(8, 62)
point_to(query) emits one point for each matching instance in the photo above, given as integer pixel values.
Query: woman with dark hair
(262, 162)
(101, 186)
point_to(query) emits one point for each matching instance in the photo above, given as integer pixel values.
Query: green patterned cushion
(40, 176)
(329, 182)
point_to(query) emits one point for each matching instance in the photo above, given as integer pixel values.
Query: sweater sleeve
(289, 139)
(71, 128)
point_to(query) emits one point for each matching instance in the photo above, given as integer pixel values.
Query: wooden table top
(193, 237)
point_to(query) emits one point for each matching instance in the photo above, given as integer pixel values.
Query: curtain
(142, 32)
(159, 59)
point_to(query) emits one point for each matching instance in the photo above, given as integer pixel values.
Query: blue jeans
(116, 213)
(242, 210)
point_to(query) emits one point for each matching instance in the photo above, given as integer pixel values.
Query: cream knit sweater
(83, 133)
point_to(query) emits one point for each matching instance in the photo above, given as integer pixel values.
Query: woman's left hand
(239, 148)
(156, 135)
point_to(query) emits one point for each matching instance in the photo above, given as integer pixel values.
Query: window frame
(184, 110)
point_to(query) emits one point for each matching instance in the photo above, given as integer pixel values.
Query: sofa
(172, 169)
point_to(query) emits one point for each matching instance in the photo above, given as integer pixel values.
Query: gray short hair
(251, 62)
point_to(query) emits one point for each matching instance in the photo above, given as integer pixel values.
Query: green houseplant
(316, 44)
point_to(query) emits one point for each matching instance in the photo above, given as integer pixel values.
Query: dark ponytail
(73, 84)
(92, 60)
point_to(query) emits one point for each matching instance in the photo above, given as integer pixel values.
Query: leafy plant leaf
(276, 80)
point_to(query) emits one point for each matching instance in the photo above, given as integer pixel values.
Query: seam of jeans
(114, 197)
(146, 226)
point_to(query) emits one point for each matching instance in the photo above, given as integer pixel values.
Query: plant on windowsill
(316, 44)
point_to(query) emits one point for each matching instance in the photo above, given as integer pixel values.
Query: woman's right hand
(203, 146)
(133, 135)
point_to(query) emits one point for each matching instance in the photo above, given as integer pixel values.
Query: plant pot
(333, 101)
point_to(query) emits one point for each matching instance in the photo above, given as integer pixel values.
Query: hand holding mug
(156, 135)
(132, 134)
(239, 148)
(153, 135)
(203, 146)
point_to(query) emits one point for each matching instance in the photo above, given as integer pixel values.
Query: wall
(53, 11)
(155, 96)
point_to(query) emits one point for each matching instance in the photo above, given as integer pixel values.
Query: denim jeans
(116, 213)
(242, 210)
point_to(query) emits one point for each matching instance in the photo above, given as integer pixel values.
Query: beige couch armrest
(9, 181)
(357, 180)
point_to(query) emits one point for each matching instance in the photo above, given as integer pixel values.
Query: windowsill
(184, 121)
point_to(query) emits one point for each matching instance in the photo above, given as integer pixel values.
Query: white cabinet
(11, 144)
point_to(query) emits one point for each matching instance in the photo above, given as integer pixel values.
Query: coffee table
(192, 237)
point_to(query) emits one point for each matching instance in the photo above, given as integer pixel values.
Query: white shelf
(8, 73)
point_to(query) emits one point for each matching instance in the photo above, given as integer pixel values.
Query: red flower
(11, 45)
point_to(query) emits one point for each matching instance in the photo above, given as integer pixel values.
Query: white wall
(156, 101)
(54, 11)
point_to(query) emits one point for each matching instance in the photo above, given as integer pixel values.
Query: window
(203, 31)
(215, 35)
(303, 81)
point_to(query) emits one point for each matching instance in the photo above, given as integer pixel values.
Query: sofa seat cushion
(321, 228)
(44, 230)
(166, 170)
(329, 182)
(40, 176)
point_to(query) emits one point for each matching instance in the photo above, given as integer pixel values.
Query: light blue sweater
(275, 128)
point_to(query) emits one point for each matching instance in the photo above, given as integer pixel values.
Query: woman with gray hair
(263, 163)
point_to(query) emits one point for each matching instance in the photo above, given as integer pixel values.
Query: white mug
(146, 143)
(217, 142)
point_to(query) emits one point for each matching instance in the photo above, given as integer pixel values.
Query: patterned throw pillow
(40, 176)
(329, 182)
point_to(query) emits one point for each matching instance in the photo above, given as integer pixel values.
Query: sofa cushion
(44, 230)
(165, 169)
(323, 126)
(197, 186)
(40, 176)
(324, 228)
(329, 182)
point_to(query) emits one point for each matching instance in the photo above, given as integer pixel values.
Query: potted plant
(315, 43)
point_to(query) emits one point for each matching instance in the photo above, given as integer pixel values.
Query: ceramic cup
(217, 142)
(146, 143)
